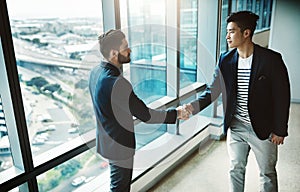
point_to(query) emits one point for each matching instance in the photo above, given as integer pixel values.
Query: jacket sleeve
(139, 109)
(281, 96)
(129, 101)
(211, 93)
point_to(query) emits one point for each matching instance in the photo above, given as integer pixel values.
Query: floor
(206, 170)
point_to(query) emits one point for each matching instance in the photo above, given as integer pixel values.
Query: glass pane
(20, 188)
(144, 22)
(249, 5)
(267, 9)
(257, 7)
(6, 121)
(188, 41)
(5, 152)
(145, 25)
(55, 43)
(223, 42)
(145, 133)
(74, 173)
(240, 5)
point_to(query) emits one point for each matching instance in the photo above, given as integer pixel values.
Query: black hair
(112, 39)
(244, 20)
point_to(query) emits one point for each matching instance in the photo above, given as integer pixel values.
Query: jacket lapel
(234, 63)
(254, 69)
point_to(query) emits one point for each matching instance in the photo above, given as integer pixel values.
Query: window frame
(76, 147)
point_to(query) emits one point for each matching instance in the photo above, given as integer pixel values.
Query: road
(27, 52)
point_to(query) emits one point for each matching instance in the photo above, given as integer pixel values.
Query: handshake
(184, 111)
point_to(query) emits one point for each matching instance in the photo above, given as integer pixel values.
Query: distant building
(4, 145)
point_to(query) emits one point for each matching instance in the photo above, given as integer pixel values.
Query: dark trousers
(120, 175)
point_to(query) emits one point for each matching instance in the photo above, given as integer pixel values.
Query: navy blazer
(268, 94)
(115, 104)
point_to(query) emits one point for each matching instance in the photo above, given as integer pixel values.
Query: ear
(247, 33)
(113, 53)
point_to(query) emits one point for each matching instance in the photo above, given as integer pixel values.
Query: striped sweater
(243, 78)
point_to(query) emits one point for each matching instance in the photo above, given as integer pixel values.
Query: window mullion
(173, 52)
(111, 14)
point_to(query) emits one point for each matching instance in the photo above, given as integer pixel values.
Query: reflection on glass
(55, 49)
(146, 28)
(188, 41)
(240, 5)
(267, 13)
(74, 173)
(261, 8)
(145, 24)
(20, 188)
(257, 6)
(249, 4)
(145, 133)
(5, 152)
(223, 42)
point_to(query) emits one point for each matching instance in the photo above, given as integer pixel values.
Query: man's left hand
(277, 139)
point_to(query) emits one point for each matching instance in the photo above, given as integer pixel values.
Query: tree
(51, 87)
(82, 84)
(70, 168)
(37, 81)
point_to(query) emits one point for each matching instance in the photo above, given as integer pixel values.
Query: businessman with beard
(115, 104)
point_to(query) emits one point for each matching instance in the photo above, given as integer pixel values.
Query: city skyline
(49, 9)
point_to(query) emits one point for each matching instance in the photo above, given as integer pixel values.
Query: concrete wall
(285, 38)
(207, 39)
(262, 38)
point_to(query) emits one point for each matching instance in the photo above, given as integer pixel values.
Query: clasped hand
(184, 111)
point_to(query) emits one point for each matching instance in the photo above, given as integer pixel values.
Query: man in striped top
(255, 91)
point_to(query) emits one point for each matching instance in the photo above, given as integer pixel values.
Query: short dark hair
(112, 39)
(244, 20)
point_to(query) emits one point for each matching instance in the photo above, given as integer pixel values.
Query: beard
(123, 59)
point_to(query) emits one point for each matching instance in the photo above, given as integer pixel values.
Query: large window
(52, 47)
(263, 8)
(144, 22)
(223, 31)
(54, 44)
(145, 25)
(188, 41)
(78, 171)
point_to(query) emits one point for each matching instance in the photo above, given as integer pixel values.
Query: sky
(24, 9)
(21, 9)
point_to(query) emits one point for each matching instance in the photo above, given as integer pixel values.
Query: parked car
(51, 128)
(74, 124)
(59, 105)
(5, 164)
(78, 181)
(73, 130)
(41, 130)
(44, 118)
(38, 141)
(44, 136)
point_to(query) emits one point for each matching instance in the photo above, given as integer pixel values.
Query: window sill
(64, 148)
(190, 90)
(10, 173)
(160, 155)
(146, 158)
